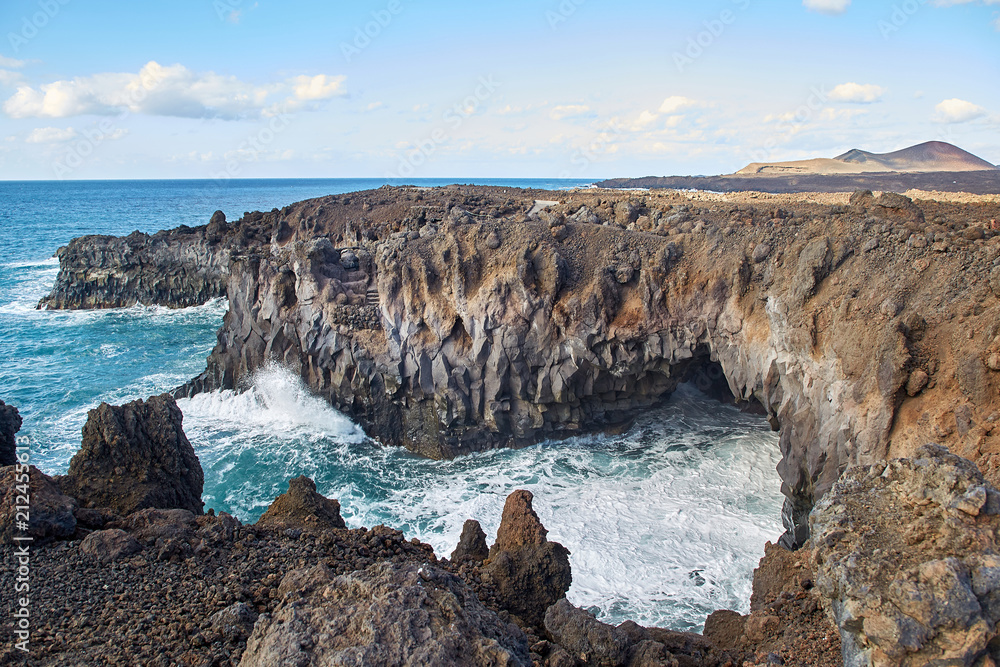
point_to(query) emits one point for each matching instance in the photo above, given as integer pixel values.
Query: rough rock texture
(907, 558)
(528, 572)
(455, 319)
(109, 545)
(136, 456)
(301, 507)
(10, 424)
(386, 615)
(51, 512)
(175, 269)
(472, 544)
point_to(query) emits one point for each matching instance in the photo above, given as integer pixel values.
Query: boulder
(302, 508)
(134, 457)
(51, 513)
(908, 563)
(235, 622)
(528, 572)
(581, 634)
(10, 424)
(109, 545)
(388, 614)
(472, 544)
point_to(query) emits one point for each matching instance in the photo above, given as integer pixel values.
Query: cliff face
(460, 319)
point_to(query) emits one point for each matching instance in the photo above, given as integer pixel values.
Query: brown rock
(472, 544)
(386, 615)
(134, 457)
(109, 545)
(916, 382)
(724, 628)
(528, 572)
(51, 512)
(581, 634)
(916, 578)
(301, 507)
(10, 424)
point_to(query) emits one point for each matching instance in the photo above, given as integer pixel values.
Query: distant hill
(932, 156)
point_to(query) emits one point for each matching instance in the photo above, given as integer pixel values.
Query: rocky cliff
(463, 318)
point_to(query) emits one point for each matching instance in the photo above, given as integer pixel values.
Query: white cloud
(996, 24)
(676, 103)
(8, 78)
(165, 91)
(857, 93)
(568, 111)
(10, 62)
(319, 87)
(827, 6)
(645, 119)
(48, 135)
(957, 111)
(375, 105)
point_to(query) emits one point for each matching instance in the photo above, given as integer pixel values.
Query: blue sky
(413, 88)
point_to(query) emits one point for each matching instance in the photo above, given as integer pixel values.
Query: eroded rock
(386, 615)
(50, 515)
(301, 507)
(528, 572)
(907, 560)
(134, 457)
(10, 424)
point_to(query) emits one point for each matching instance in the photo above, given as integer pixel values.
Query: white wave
(277, 403)
(664, 524)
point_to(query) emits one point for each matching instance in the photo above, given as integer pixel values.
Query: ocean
(664, 523)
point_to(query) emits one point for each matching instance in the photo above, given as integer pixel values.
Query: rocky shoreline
(458, 319)
(903, 569)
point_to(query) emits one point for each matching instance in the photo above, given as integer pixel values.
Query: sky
(102, 89)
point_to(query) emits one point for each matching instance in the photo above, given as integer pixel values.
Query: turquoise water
(665, 523)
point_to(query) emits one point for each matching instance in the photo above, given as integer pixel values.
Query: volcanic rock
(528, 572)
(908, 561)
(492, 333)
(10, 424)
(386, 615)
(134, 457)
(109, 545)
(50, 515)
(472, 544)
(302, 508)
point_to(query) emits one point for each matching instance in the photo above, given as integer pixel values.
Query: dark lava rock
(472, 544)
(51, 513)
(581, 634)
(109, 545)
(301, 507)
(387, 614)
(10, 424)
(528, 572)
(134, 457)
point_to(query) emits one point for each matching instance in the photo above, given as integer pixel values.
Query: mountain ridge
(930, 156)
